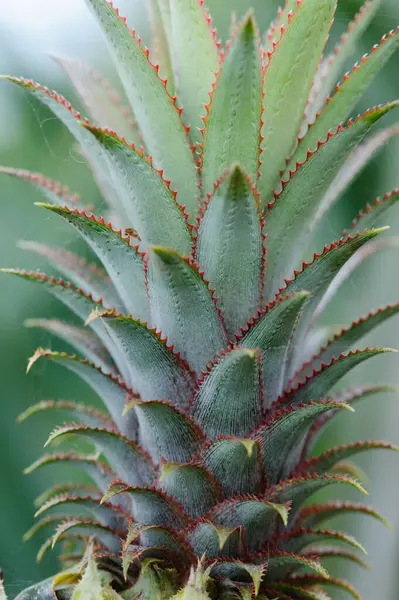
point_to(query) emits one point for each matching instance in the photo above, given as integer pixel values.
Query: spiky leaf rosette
(201, 335)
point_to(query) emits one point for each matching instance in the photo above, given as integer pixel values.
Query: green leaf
(232, 125)
(311, 579)
(271, 332)
(370, 216)
(290, 69)
(160, 52)
(214, 540)
(72, 120)
(321, 381)
(107, 536)
(98, 471)
(192, 324)
(300, 593)
(196, 588)
(282, 437)
(39, 591)
(108, 514)
(192, 42)
(90, 586)
(123, 262)
(241, 572)
(88, 414)
(230, 248)
(331, 66)
(279, 563)
(299, 489)
(235, 463)
(312, 516)
(257, 517)
(125, 457)
(88, 277)
(337, 108)
(296, 540)
(333, 456)
(54, 192)
(273, 34)
(163, 132)
(153, 583)
(68, 487)
(335, 552)
(83, 340)
(236, 375)
(111, 390)
(191, 486)
(167, 432)
(150, 506)
(156, 370)
(290, 215)
(146, 195)
(101, 100)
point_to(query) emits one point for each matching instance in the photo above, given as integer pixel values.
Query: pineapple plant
(199, 318)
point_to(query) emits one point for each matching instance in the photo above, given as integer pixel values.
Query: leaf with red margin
(157, 371)
(347, 337)
(212, 540)
(331, 66)
(145, 193)
(355, 164)
(98, 471)
(108, 514)
(300, 593)
(112, 390)
(290, 216)
(348, 396)
(370, 216)
(44, 523)
(312, 516)
(235, 463)
(274, 32)
(234, 375)
(308, 579)
(281, 563)
(324, 552)
(123, 261)
(161, 33)
(289, 72)
(87, 527)
(89, 415)
(126, 458)
(320, 382)
(232, 124)
(191, 485)
(299, 489)
(229, 247)
(255, 515)
(192, 42)
(67, 487)
(90, 278)
(164, 134)
(72, 120)
(283, 435)
(333, 456)
(271, 331)
(337, 107)
(167, 432)
(101, 100)
(83, 340)
(150, 506)
(183, 307)
(235, 570)
(296, 540)
(54, 192)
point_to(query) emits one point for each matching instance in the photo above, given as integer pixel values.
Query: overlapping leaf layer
(199, 327)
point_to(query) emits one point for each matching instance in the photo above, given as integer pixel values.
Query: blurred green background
(31, 138)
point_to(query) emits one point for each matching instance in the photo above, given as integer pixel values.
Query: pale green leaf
(230, 249)
(290, 69)
(165, 137)
(232, 125)
(183, 308)
(192, 45)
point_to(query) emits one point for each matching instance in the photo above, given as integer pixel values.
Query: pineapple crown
(201, 332)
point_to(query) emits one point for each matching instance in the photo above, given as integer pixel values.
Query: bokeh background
(32, 33)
